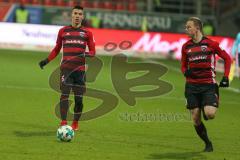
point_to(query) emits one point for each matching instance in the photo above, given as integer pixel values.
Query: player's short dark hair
(197, 22)
(77, 7)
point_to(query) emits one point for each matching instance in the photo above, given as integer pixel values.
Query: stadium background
(155, 29)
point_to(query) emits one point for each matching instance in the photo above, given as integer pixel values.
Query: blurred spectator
(95, 22)
(144, 26)
(208, 29)
(21, 15)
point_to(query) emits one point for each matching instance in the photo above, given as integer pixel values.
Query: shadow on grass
(178, 156)
(30, 125)
(34, 133)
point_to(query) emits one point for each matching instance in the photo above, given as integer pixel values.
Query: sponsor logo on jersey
(195, 58)
(74, 42)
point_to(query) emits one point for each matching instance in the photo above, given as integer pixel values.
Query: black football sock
(202, 133)
(78, 108)
(64, 105)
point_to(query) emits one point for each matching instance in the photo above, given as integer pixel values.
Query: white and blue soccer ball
(65, 133)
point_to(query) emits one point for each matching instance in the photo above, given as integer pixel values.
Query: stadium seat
(71, 3)
(132, 5)
(16, 1)
(25, 1)
(12, 1)
(36, 2)
(120, 5)
(108, 5)
(48, 2)
(60, 3)
(85, 4)
(97, 4)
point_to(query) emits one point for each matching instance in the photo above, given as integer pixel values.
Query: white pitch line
(233, 89)
(26, 88)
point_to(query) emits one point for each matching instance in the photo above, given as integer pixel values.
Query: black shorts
(75, 80)
(200, 95)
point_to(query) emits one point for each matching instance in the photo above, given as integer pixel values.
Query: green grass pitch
(29, 124)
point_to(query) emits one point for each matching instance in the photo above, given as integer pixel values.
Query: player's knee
(210, 115)
(64, 97)
(196, 121)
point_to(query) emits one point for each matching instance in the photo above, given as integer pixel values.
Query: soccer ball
(65, 133)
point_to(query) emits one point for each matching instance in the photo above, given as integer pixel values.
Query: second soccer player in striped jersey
(198, 66)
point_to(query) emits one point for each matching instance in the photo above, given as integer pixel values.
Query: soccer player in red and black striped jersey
(74, 39)
(198, 65)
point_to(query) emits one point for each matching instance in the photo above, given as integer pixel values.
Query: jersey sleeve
(223, 54)
(184, 60)
(57, 47)
(91, 45)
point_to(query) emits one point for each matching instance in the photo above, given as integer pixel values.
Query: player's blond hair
(197, 22)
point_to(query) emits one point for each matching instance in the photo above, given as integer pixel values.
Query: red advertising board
(156, 43)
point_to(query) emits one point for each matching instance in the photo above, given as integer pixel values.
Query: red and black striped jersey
(200, 59)
(74, 42)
